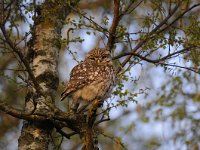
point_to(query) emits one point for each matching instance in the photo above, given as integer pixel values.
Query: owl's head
(98, 55)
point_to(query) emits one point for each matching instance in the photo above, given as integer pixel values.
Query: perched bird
(91, 79)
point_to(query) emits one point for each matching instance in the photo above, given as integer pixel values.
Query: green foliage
(179, 113)
(105, 20)
(153, 143)
(192, 31)
(178, 90)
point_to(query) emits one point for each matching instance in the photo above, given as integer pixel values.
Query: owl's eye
(104, 57)
(92, 58)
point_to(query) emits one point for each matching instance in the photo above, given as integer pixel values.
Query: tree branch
(182, 67)
(87, 132)
(142, 41)
(156, 31)
(1, 11)
(160, 61)
(104, 30)
(66, 135)
(153, 60)
(179, 17)
(17, 50)
(55, 114)
(128, 10)
(115, 22)
(19, 113)
(102, 120)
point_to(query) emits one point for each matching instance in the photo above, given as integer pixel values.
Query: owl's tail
(63, 96)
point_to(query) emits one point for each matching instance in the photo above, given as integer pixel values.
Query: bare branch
(115, 22)
(160, 61)
(66, 135)
(155, 60)
(102, 120)
(19, 113)
(57, 115)
(128, 10)
(182, 67)
(1, 11)
(13, 69)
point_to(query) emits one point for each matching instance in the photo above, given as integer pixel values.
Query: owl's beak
(98, 61)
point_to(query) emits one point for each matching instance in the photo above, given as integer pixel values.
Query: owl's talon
(82, 108)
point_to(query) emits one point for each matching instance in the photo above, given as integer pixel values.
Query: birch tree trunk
(44, 50)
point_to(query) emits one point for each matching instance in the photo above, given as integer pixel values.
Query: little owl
(92, 79)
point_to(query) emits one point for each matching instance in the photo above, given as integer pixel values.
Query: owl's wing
(80, 76)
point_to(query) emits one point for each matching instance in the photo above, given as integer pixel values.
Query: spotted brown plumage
(92, 79)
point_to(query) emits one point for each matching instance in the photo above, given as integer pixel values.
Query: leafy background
(154, 105)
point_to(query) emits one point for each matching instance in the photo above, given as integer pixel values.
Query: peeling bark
(46, 31)
(35, 136)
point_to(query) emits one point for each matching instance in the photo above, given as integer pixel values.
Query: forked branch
(157, 30)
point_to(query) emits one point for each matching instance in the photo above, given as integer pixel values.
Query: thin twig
(17, 50)
(66, 135)
(129, 10)
(104, 30)
(182, 67)
(142, 41)
(153, 60)
(14, 69)
(177, 18)
(102, 120)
